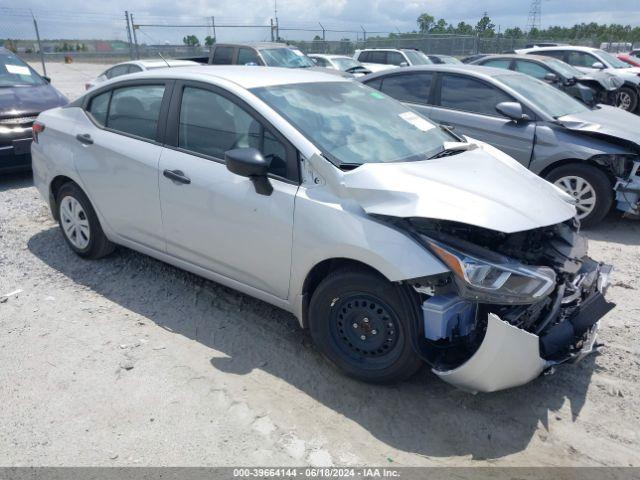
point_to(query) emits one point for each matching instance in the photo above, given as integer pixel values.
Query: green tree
(425, 22)
(209, 40)
(464, 29)
(439, 27)
(515, 32)
(485, 27)
(191, 41)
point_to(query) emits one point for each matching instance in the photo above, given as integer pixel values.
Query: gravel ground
(129, 361)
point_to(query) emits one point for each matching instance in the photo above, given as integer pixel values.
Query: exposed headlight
(504, 281)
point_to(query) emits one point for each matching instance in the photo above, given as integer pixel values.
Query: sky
(82, 19)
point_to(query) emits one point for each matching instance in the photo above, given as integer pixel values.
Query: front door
(213, 218)
(469, 105)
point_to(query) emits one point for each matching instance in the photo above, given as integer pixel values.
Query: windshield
(417, 58)
(345, 63)
(14, 72)
(564, 69)
(353, 124)
(611, 60)
(450, 60)
(544, 97)
(286, 57)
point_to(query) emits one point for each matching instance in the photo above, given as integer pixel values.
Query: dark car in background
(592, 153)
(439, 59)
(23, 95)
(589, 88)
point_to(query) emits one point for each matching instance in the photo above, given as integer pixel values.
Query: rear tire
(590, 186)
(626, 99)
(79, 223)
(360, 323)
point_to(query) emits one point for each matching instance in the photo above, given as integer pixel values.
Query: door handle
(177, 176)
(84, 138)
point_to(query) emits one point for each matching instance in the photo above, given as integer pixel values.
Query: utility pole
(534, 20)
(35, 25)
(272, 29)
(323, 32)
(364, 36)
(135, 37)
(129, 41)
(213, 25)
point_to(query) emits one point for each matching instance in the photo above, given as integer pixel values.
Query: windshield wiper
(453, 148)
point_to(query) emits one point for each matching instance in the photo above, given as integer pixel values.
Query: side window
(321, 62)
(395, 58)
(377, 57)
(533, 69)
(581, 59)
(413, 87)
(498, 63)
(117, 71)
(364, 57)
(559, 54)
(135, 110)
(470, 95)
(210, 124)
(246, 55)
(134, 69)
(376, 83)
(99, 106)
(223, 56)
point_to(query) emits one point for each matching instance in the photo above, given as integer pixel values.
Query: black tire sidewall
(634, 98)
(95, 231)
(597, 179)
(342, 283)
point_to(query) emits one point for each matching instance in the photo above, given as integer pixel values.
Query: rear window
(14, 72)
(99, 107)
(412, 87)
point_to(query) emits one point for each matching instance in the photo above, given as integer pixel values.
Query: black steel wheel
(360, 323)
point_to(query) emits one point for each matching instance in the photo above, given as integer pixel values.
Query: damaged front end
(513, 306)
(627, 190)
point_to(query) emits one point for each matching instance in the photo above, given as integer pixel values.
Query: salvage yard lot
(128, 361)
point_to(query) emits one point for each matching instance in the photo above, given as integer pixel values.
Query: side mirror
(46, 79)
(404, 64)
(249, 162)
(598, 65)
(314, 60)
(551, 77)
(512, 110)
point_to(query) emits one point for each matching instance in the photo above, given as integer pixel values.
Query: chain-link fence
(55, 36)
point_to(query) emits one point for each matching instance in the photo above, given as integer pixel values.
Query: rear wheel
(589, 186)
(79, 223)
(359, 322)
(626, 99)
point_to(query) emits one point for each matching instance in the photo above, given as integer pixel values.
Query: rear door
(469, 105)
(215, 219)
(118, 147)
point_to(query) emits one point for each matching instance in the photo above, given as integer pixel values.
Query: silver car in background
(393, 240)
(592, 153)
(136, 66)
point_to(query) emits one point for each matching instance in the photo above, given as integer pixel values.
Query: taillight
(36, 128)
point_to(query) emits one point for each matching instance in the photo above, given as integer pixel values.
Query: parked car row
(395, 240)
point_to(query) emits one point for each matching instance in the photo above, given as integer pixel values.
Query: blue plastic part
(448, 315)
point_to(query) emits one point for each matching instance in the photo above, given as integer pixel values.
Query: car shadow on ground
(11, 181)
(423, 416)
(615, 229)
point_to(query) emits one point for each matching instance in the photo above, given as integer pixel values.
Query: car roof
(475, 70)
(246, 77)
(577, 48)
(153, 63)
(541, 58)
(256, 45)
(328, 55)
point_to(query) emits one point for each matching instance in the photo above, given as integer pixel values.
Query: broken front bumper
(628, 192)
(509, 356)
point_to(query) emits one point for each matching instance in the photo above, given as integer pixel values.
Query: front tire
(591, 188)
(626, 99)
(360, 323)
(79, 223)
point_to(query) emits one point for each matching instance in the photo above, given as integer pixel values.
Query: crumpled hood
(482, 187)
(606, 122)
(29, 99)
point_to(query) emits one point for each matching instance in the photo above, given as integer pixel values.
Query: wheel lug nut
(374, 331)
(363, 337)
(355, 325)
(390, 325)
(365, 320)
